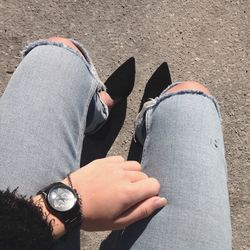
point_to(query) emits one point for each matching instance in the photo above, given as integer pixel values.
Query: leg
(43, 117)
(184, 150)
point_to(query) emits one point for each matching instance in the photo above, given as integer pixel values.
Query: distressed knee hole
(65, 41)
(189, 85)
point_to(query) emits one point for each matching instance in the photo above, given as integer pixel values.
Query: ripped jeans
(52, 101)
(183, 148)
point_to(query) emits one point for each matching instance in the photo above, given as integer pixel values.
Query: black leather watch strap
(72, 218)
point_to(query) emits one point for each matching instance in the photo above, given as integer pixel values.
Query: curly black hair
(22, 225)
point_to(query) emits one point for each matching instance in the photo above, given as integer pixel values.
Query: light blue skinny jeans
(51, 102)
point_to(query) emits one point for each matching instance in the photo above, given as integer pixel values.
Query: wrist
(57, 226)
(61, 207)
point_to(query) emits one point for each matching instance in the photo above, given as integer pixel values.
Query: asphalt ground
(206, 41)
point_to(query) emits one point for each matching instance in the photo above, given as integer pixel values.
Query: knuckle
(137, 164)
(141, 176)
(144, 212)
(156, 184)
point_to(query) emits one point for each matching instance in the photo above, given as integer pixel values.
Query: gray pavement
(206, 41)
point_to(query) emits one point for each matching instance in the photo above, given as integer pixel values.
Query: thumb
(139, 211)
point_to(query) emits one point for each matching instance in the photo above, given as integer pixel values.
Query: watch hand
(62, 199)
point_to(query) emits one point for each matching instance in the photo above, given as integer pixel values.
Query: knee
(189, 85)
(65, 41)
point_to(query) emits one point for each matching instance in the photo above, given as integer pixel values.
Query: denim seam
(148, 125)
(99, 126)
(84, 116)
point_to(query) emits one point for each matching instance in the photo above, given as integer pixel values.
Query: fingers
(144, 189)
(131, 165)
(139, 211)
(134, 176)
(126, 165)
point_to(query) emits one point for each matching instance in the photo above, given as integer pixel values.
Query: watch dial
(61, 199)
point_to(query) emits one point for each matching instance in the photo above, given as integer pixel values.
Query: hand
(115, 193)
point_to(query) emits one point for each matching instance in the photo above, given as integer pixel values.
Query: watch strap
(72, 218)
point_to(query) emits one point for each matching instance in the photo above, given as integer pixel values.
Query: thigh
(184, 150)
(42, 121)
(42, 118)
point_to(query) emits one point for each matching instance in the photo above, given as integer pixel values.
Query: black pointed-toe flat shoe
(119, 86)
(121, 82)
(159, 81)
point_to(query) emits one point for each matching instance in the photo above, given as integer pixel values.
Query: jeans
(52, 101)
(183, 148)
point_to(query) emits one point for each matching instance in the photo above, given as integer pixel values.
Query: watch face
(61, 199)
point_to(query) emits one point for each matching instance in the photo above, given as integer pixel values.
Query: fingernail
(161, 202)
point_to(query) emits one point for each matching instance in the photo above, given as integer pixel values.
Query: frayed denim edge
(101, 86)
(194, 92)
(84, 56)
(154, 102)
(164, 95)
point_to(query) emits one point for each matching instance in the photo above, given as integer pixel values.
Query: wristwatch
(63, 202)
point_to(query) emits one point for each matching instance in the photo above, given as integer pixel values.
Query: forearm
(31, 224)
